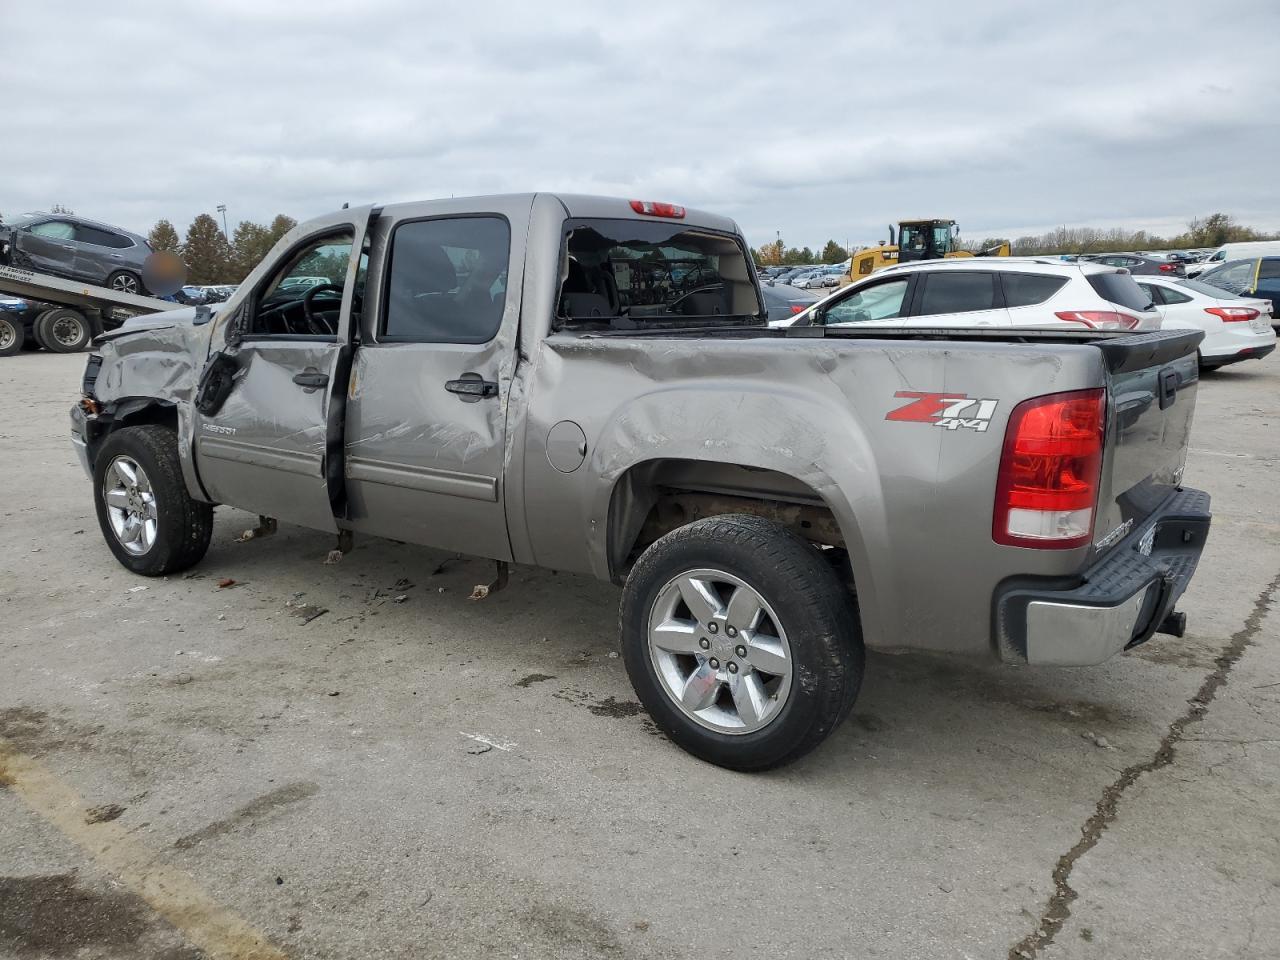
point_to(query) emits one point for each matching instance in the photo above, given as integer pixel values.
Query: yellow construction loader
(915, 240)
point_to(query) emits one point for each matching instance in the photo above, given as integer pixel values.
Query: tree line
(1202, 232)
(213, 258)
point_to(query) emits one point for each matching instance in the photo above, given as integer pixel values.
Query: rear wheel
(150, 522)
(741, 641)
(122, 281)
(63, 330)
(12, 335)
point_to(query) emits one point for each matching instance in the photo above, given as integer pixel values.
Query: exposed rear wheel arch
(657, 496)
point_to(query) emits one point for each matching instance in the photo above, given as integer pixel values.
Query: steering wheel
(312, 324)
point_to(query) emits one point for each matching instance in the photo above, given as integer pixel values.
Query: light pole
(222, 209)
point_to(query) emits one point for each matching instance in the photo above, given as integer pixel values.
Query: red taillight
(796, 308)
(1047, 487)
(651, 209)
(1100, 319)
(1167, 268)
(1232, 314)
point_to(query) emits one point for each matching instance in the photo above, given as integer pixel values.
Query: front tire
(150, 522)
(741, 641)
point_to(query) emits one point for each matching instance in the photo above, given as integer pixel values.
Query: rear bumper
(1244, 353)
(1116, 604)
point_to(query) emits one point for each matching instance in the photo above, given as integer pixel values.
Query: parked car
(783, 302)
(992, 292)
(76, 249)
(1257, 277)
(1243, 250)
(1235, 328)
(1149, 265)
(770, 502)
(816, 280)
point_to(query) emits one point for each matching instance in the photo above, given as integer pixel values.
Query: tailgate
(1152, 380)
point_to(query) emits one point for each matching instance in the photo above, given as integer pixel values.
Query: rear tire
(63, 330)
(124, 281)
(12, 336)
(746, 695)
(35, 326)
(150, 522)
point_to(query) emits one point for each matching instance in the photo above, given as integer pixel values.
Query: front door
(50, 247)
(426, 418)
(274, 446)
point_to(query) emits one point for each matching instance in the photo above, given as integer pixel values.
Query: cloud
(814, 123)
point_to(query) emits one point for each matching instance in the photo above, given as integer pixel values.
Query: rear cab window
(1120, 289)
(652, 272)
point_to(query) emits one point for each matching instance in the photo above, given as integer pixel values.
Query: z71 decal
(949, 410)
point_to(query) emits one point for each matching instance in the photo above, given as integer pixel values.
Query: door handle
(311, 379)
(471, 387)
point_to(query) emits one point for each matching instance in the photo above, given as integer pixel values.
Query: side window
(1270, 268)
(1152, 291)
(1028, 289)
(101, 238)
(879, 301)
(304, 296)
(952, 291)
(447, 280)
(1171, 296)
(55, 230)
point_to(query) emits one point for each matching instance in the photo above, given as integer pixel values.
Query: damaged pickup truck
(589, 385)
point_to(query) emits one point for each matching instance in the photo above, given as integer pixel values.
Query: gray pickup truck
(589, 384)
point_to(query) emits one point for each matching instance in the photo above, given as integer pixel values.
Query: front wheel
(150, 522)
(741, 641)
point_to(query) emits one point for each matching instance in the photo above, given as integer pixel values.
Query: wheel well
(133, 412)
(655, 497)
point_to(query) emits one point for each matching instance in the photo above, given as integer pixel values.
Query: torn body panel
(154, 360)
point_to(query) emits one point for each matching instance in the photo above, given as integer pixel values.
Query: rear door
(958, 298)
(426, 424)
(274, 447)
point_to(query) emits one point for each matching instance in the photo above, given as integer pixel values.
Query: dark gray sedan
(1142, 265)
(784, 302)
(75, 248)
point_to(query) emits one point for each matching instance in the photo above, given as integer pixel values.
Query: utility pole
(222, 209)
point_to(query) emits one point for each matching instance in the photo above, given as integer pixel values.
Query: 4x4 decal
(949, 410)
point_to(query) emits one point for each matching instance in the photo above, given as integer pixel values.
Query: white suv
(989, 292)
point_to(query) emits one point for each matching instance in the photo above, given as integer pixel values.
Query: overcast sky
(810, 119)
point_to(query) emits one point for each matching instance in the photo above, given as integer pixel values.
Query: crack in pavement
(1058, 908)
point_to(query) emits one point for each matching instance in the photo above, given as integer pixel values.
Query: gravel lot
(194, 771)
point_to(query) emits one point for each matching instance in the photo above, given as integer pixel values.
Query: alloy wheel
(719, 651)
(131, 505)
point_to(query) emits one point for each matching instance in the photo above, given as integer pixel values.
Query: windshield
(654, 272)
